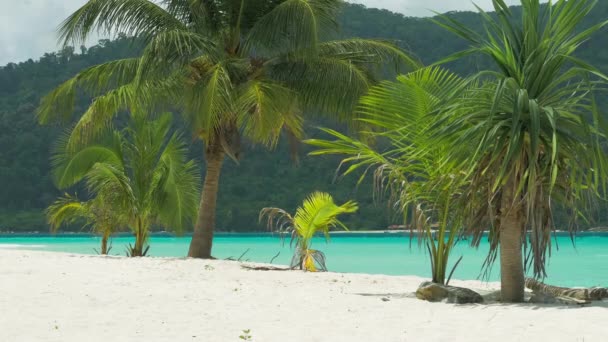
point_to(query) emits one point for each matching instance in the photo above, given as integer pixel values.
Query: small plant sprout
(318, 213)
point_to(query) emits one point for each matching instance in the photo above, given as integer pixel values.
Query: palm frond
(67, 210)
(98, 117)
(210, 101)
(170, 50)
(142, 18)
(399, 111)
(264, 109)
(70, 167)
(278, 220)
(293, 25)
(200, 14)
(330, 85)
(319, 213)
(178, 191)
(58, 105)
(107, 178)
(374, 52)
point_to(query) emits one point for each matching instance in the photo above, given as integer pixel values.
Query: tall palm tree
(235, 68)
(144, 170)
(531, 136)
(96, 213)
(318, 213)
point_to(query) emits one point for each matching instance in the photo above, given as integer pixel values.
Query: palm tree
(96, 213)
(145, 171)
(235, 68)
(531, 136)
(319, 213)
(421, 183)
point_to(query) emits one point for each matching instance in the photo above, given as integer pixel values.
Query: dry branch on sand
(567, 294)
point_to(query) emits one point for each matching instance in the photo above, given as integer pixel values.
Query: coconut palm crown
(235, 68)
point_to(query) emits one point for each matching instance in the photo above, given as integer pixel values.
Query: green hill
(262, 178)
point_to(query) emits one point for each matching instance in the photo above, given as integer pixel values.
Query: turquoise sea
(584, 264)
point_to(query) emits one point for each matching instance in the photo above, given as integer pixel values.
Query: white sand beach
(67, 298)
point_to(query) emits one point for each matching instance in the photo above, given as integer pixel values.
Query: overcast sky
(27, 27)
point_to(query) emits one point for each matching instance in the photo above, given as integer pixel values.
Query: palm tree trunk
(512, 282)
(104, 242)
(141, 234)
(202, 239)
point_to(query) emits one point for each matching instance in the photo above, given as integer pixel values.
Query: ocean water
(583, 264)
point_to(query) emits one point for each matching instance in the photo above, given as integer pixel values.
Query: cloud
(28, 27)
(420, 8)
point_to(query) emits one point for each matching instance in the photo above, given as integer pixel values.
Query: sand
(64, 297)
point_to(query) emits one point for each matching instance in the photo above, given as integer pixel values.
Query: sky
(28, 27)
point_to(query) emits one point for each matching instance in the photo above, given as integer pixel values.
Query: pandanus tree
(531, 136)
(318, 214)
(407, 164)
(97, 213)
(235, 68)
(142, 173)
(514, 143)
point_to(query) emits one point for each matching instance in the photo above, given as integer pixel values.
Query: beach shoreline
(8, 234)
(50, 296)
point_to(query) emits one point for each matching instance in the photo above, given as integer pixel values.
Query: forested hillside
(262, 178)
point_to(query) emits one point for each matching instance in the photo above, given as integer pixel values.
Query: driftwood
(574, 295)
(546, 298)
(436, 292)
(265, 268)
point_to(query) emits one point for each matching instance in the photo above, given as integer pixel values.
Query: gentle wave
(18, 246)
